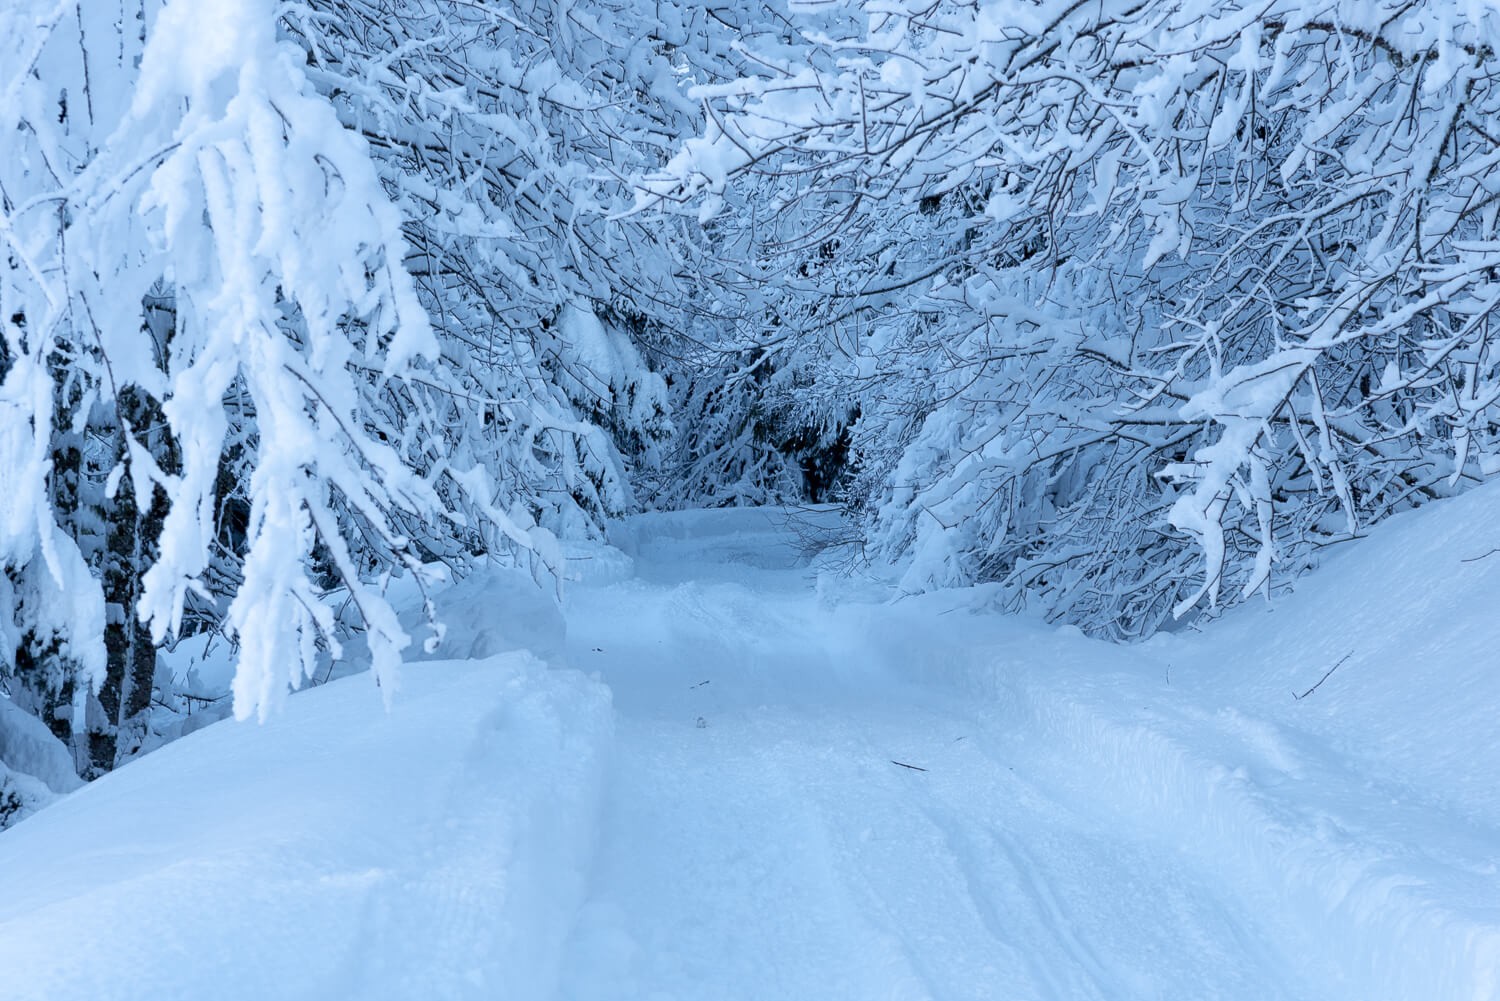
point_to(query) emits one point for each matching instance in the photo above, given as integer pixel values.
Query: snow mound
(26, 745)
(337, 851)
(35, 766)
(595, 562)
(1407, 622)
(1330, 757)
(492, 611)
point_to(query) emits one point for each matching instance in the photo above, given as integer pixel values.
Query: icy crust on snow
(437, 850)
(1364, 815)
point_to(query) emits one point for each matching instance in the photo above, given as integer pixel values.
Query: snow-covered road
(757, 780)
(764, 837)
(1084, 824)
(779, 851)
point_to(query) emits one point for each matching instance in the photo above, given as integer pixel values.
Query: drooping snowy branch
(299, 360)
(1217, 270)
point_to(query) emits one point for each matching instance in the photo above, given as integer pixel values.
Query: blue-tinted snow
(707, 795)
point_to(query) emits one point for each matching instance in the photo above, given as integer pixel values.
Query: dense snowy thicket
(301, 296)
(1127, 304)
(1137, 301)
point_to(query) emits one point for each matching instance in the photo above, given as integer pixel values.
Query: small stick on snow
(905, 765)
(1314, 688)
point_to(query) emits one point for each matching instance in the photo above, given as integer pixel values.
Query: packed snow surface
(742, 774)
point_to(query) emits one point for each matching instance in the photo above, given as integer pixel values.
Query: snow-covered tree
(1126, 281)
(205, 302)
(301, 295)
(1125, 304)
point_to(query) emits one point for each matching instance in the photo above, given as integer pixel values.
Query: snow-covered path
(760, 839)
(735, 777)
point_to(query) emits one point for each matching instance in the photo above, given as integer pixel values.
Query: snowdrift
(1311, 781)
(1359, 808)
(338, 851)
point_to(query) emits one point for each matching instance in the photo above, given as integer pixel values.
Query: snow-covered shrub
(300, 296)
(185, 156)
(1126, 282)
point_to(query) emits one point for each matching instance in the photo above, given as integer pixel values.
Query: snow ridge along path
(742, 777)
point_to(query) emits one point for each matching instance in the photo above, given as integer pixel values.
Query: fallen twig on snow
(1314, 688)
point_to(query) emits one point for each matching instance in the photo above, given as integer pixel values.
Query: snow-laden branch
(1269, 221)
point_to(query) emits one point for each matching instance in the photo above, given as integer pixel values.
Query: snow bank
(1363, 818)
(338, 851)
(1409, 619)
(35, 766)
(494, 610)
(1345, 839)
(26, 745)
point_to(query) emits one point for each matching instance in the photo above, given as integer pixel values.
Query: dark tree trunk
(125, 697)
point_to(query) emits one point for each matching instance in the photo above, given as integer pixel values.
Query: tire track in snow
(1049, 886)
(1292, 832)
(901, 864)
(717, 876)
